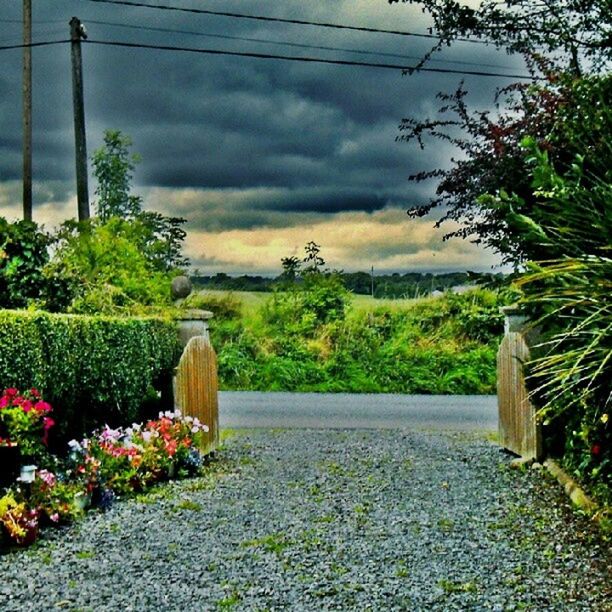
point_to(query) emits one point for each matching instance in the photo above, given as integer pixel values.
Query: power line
(45, 43)
(302, 59)
(286, 43)
(322, 24)
(20, 21)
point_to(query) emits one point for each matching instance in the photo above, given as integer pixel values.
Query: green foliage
(93, 370)
(23, 254)
(309, 295)
(113, 167)
(224, 307)
(105, 270)
(568, 296)
(159, 237)
(436, 345)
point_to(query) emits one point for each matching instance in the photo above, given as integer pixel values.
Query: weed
(401, 570)
(449, 586)
(187, 504)
(273, 543)
(85, 554)
(229, 601)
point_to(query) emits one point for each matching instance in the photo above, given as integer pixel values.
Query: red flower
(596, 449)
(41, 406)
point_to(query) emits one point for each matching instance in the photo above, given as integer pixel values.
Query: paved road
(356, 411)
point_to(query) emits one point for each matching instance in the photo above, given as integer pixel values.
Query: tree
(565, 117)
(560, 39)
(577, 33)
(113, 167)
(124, 258)
(160, 237)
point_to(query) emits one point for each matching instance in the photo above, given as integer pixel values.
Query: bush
(23, 254)
(435, 345)
(94, 370)
(105, 270)
(224, 307)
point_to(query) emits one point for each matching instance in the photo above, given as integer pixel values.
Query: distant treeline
(394, 285)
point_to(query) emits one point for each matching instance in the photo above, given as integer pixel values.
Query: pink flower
(54, 517)
(48, 423)
(47, 477)
(41, 406)
(11, 392)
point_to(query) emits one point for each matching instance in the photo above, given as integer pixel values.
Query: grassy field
(252, 301)
(444, 344)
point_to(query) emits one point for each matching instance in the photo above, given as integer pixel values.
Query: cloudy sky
(259, 155)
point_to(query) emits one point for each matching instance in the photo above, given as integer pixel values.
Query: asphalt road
(247, 409)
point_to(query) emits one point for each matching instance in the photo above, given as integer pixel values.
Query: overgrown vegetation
(310, 337)
(121, 261)
(533, 183)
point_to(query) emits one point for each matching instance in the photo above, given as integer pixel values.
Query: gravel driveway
(327, 520)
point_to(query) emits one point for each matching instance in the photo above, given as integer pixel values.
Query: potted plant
(19, 522)
(24, 430)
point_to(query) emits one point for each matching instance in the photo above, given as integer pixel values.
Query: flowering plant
(54, 499)
(19, 521)
(25, 421)
(123, 460)
(110, 463)
(175, 439)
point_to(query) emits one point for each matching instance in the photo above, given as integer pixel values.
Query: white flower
(74, 445)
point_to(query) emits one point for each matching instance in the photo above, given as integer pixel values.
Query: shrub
(23, 254)
(224, 307)
(435, 345)
(94, 370)
(105, 270)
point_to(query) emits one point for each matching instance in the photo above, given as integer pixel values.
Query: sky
(260, 156)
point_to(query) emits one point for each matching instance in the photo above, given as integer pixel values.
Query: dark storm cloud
(289, 140)
(217, 211)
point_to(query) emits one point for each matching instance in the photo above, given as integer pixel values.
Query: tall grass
(444, 345)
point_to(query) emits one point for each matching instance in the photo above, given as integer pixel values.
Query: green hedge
(93, 370)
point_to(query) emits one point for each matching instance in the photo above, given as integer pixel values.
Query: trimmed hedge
(93, 370)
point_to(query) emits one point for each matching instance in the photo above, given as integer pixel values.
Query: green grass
(444, 345)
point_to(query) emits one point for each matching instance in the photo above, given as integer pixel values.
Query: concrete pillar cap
(194, 314)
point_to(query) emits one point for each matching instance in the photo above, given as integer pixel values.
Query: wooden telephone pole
(77, 32)
(27, 110)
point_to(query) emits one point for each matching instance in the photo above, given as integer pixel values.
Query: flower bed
(110, 463)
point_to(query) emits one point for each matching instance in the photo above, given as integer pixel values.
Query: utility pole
(77, 32)
(372, 279)
(27, 110)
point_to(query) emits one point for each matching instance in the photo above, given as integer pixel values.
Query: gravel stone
(327, 520)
